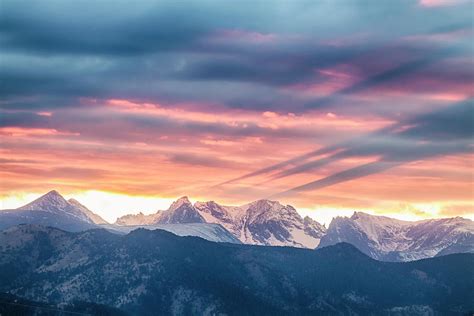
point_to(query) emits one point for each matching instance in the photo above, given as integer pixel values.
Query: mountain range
(53, 210)
(155, 272)
(263, 222)
(389, 239)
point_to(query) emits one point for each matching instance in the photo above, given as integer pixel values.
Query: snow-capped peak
(264, 222)
(54, 202)
(386, 238)
(53, 193)
(264, 204)
(50, 202)
(180, 212)
(379, 219)
(180, 202)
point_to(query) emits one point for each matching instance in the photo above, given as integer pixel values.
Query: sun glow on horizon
(16, 200)
(111, 205)
(108, 205)
(325, 214)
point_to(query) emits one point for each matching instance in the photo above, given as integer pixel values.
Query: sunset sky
(330, 106)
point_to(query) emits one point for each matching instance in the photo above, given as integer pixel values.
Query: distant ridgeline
(263, 222)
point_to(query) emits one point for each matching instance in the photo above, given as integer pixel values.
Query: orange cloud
(22, 132)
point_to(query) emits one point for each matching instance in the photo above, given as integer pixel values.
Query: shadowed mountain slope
(149, 272)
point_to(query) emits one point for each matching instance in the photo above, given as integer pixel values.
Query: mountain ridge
(390, 239)
(262, 222)
(265, 222)
(52, 209)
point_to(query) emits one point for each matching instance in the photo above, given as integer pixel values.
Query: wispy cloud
(445, 132)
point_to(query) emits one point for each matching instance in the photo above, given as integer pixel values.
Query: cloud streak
(444, 132)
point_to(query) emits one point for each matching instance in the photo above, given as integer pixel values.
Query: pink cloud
(438, 3)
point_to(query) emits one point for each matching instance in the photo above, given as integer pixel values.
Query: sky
(330, 106)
